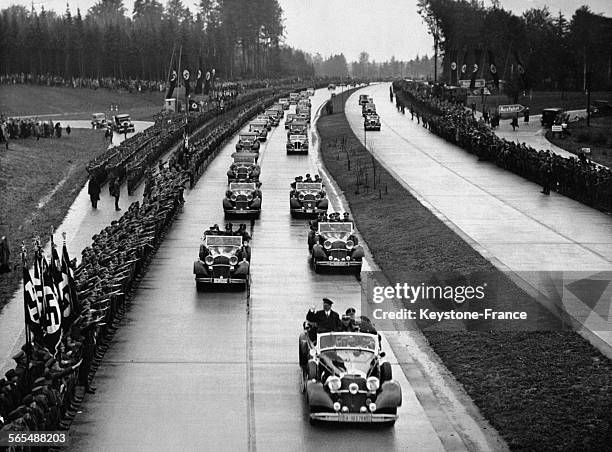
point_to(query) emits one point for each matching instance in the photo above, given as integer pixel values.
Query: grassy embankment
(542, 390)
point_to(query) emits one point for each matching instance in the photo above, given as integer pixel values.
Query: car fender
(294, 203)
(323, 204)
(358, 252)
(317, 395)
(199, 268)
(390, 395)
(242, 268)
(317, 252)
(227, 204)
(256, 204)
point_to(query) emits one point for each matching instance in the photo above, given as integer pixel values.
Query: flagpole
(25, 309)
(179, 73)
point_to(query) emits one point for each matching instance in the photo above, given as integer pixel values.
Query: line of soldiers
(13, 128)
(43, 392)
(575, 177)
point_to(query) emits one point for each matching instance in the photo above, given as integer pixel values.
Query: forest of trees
(554, 50)
(337, 66)
(240, 38)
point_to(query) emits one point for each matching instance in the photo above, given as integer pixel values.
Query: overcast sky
(383, 28)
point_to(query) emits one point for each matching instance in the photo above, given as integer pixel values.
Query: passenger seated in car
(317, 178)
(229, 229)
(242, 230)
(308, 178)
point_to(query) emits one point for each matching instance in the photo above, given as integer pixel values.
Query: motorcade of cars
(123, 124)
(242, 200)
(334, 245)
(222, 260)
(346, 379)
(248, 141)
(371, 122)
(98, 121)
(363, 99)
(260, 128)
(308, 199)
(244, 168)
(297, 144)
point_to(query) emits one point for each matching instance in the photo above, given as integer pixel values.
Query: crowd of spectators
(575, 177)
(14, 128)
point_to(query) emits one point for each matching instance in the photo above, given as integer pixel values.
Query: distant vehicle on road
(242, 200)
(123, 124)
(551, 116)
(223, 260)
(372, 122)
(334, 245)
(363, 99)
(601, 108)
(308, 199)
(98, 121)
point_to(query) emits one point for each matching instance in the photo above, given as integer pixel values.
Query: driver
(242, 230)
(308, 178)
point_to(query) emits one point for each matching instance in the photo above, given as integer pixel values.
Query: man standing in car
(326, 319)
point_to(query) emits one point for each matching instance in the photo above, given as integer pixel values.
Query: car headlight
(373, 384)
(349, 244)
(334, 383)
(233, 260)
(209, 260)
(353, 388)
(327, 245)
(233, 197)
(249, 197)
(331, 258)
(372, 407)
(301, 196)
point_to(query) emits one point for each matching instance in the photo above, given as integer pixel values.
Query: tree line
(239, 38)
(556, 53)
(337, 66)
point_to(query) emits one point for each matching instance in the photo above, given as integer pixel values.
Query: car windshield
(258, 126)
(223, 245)
(244, 159)
(123, 117)
(297, 137)
(347, 352)
(247, 137)
(242, 187)
(98, 116)
(314, 187)
(336, 230)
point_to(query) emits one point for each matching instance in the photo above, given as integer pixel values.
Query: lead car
(345, 379)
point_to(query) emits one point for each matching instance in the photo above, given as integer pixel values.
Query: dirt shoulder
(542, 390)
(597, 137)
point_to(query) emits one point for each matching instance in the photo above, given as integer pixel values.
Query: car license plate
(309, 210)
(355, 417)
(220, 280)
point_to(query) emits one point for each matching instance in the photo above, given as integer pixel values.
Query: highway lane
(215, 370)
(542, 242)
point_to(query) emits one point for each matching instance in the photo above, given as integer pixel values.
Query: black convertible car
(222, 260)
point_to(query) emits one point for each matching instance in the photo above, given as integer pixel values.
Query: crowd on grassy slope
(579, 179)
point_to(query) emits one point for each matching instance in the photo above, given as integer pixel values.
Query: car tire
(386, 373)
(316, 268)
(312, 370)
(303, 359)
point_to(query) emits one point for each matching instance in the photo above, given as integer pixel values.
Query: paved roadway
(218, 371)
(546, 242)
(80, 224)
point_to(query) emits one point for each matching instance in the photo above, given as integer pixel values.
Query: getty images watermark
(489, 301)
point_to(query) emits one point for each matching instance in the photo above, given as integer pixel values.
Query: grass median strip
(542, 390)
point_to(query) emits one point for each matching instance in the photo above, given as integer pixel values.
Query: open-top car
(248, 141)
(297, 127)
(308, 199)
(284, 101)
(278, 108)
(242, 200)
(98, 121)
(289, 119)
(346, 379)
(223, 260)
(123, 124)
(363, 99)
(372, 122)
(266, 119)
(311, 91)
(368, 109)
(260, 128)
(303, 112)
(334, 245)
(293, 98)
(272, 117)
(297, 144)
(244, 168)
